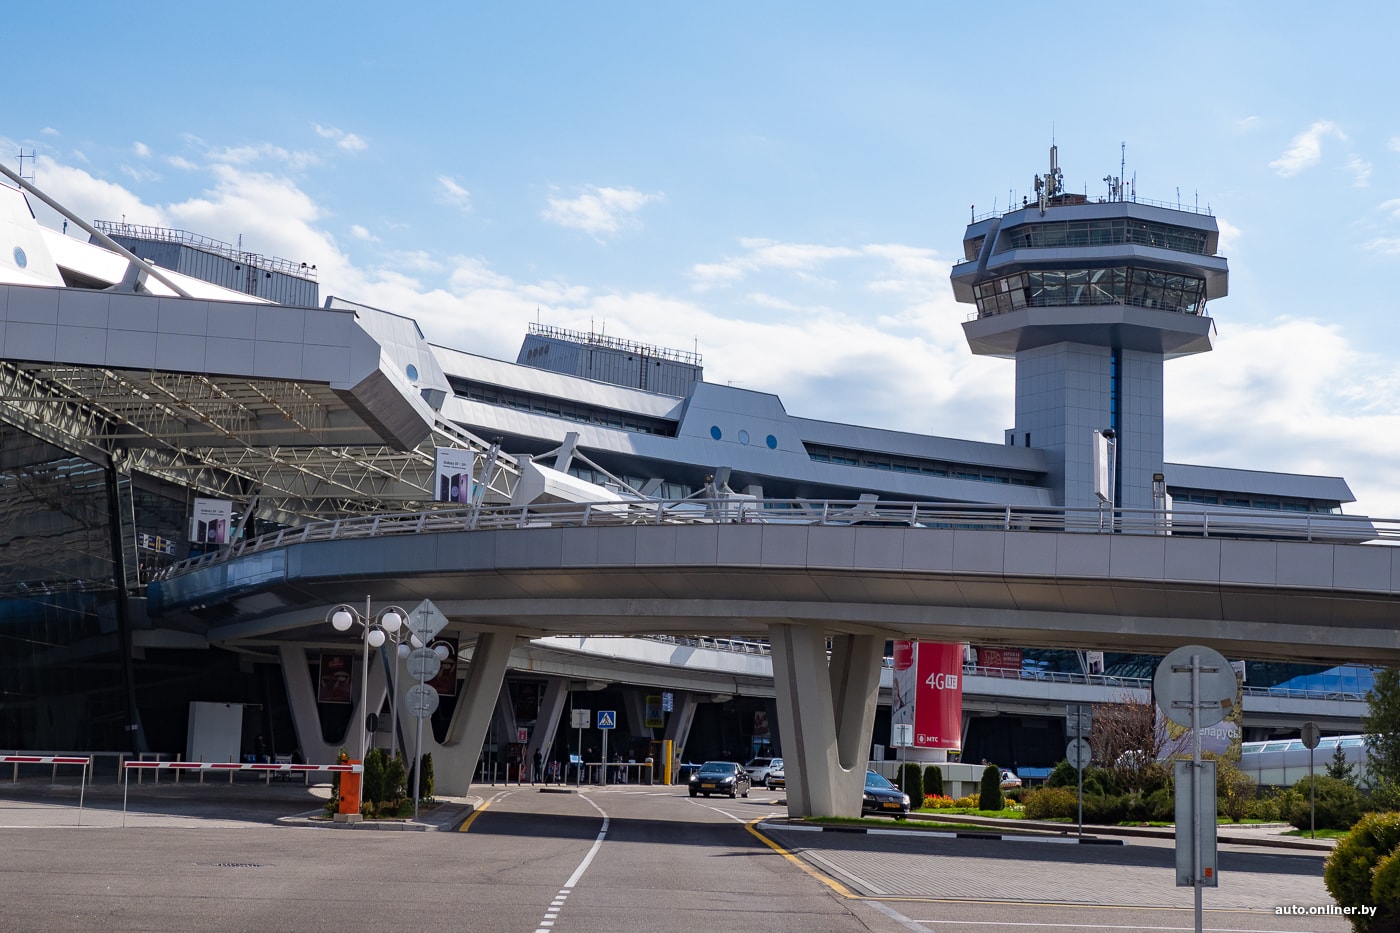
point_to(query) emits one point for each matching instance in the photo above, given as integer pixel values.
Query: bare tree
(1129, 742)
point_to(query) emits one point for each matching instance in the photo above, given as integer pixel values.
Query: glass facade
(1119, 285)
(1114, 232)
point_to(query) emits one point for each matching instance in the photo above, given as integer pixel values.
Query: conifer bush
(911, 780)
(989, 798)
(933, 781)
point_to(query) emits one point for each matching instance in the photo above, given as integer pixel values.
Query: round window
(744, 437)
(412, 373)
(21, 260)
(715, 432)
(772, 442)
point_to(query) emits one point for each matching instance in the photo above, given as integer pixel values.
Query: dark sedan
(720, 777)
(883, 798)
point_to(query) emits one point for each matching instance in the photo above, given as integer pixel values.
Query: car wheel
(695, 793)
(734, 793)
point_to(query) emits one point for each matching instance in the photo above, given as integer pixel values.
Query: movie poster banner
(210, 521)
(445, 683)
(333, 686)
(938, 694)
(452, 471)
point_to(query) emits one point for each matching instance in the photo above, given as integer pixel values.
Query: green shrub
(1158, 806)
(1339, 804)
(372, 788)
(911, 780)
(1050, 803)
(1063, 775)
(933, 781)
(1234, 790)
(989, 794)
(395, 779)
(1106, 809)
(425, 791)
(1363, 870)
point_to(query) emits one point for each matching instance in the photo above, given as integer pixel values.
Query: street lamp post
(376, 631)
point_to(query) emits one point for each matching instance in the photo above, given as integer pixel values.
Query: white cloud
(362, 233)
(264, 152)
(1394, 144)
(449, 192)
(1306, 148)
(1387, 245)
(347, 141)
(1360, 170)
(50, 131)
(1229, 236)
(181, 162)
(598, 211)
(1392, 207)
(141, 149)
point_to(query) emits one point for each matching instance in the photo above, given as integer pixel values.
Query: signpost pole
(1196, 879)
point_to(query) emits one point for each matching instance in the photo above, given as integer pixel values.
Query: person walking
(537, 772)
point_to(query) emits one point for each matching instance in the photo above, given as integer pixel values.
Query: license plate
(707, 787)
(890, 806)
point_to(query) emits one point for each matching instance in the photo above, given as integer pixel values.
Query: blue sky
(781, 186)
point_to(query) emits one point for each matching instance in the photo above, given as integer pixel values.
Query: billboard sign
(452, 475)
(210, 521)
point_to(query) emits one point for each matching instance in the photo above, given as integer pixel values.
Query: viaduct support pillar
(826, 715)
(455, 760)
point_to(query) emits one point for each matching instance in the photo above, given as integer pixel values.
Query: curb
(955, 834)
(451, 818)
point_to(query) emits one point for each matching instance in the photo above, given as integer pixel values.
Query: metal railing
(1234, 523)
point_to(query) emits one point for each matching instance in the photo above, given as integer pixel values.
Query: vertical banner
(938, 696)
(1093, 660)
(452, 475)
(904, 688)
(655, 717)
(333, 686)
(1101, 464)
(209, 524)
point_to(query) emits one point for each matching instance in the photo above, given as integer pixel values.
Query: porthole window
(715, 432)
(744, 438)
(412, 372)
(21, 260)
(772, 442)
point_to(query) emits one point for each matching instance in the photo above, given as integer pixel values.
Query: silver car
(759, 768)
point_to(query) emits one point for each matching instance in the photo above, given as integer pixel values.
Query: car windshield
(758, 763)
(877, 780)
(719, 767)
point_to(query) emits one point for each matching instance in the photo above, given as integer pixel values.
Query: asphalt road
(616, 860)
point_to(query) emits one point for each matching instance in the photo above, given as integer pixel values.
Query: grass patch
(1321, 833)
(912, 822)
(969, 811)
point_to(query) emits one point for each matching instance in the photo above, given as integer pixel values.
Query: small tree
(1381, 723)
(1340, 768)
(933, 781)
(989, 797)
(1129, 743)
(911, 781)
(1354, 871)
(1234, 790)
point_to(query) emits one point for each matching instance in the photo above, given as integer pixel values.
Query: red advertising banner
(1000, 658)
(445, 683)
(333, 686)
(938, 695)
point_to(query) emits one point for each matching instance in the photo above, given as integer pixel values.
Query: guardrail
(1235, 523)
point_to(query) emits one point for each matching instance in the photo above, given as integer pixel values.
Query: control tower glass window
(1104, 233)
(1143, 288)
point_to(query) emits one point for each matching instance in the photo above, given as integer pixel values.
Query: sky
(782, 187)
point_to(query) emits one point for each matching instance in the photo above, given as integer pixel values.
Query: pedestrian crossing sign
(607, 719)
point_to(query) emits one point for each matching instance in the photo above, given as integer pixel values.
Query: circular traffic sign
(1079, 754)
(1311, 735)
(424, 664)
(421, 701)
(1171, 685)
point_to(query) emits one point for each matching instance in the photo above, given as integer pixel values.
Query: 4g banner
(928, 692)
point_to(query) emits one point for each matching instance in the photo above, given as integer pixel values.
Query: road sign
(423, 664)
(581, 718)
(1079, 754)
(902, 734)
(1079, 720)
(1189, 814)
(426, 620)
(1171, 685)
(421, 701)
(1311, 735)
(607, 719)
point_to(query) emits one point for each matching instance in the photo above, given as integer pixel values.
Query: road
(600, 860)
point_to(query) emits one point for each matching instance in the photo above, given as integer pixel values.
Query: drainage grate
(231, 864)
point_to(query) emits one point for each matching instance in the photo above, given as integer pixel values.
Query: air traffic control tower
(1089, 297)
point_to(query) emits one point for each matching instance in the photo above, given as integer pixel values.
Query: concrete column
(678, 726)
(301, 694)
(826, 715)
(454, 761)
(556, 697)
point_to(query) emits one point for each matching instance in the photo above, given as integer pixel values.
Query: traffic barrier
(229, 767)
(54, 760)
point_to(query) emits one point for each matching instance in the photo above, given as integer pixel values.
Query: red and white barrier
(43, 760)
(238, 766)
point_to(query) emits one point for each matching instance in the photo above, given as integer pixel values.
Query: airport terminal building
(168, 398)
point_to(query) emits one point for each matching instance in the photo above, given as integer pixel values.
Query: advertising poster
(445, 683)
(655, 718)
(1005, 659)
(902, 696)
(938, 696)
(334, 683)
(210, 522)
(452, 475)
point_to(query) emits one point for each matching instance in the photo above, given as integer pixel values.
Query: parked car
(721, 777)
(882, 797)
(758, 768)
(1009, 779)
(777, 775)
